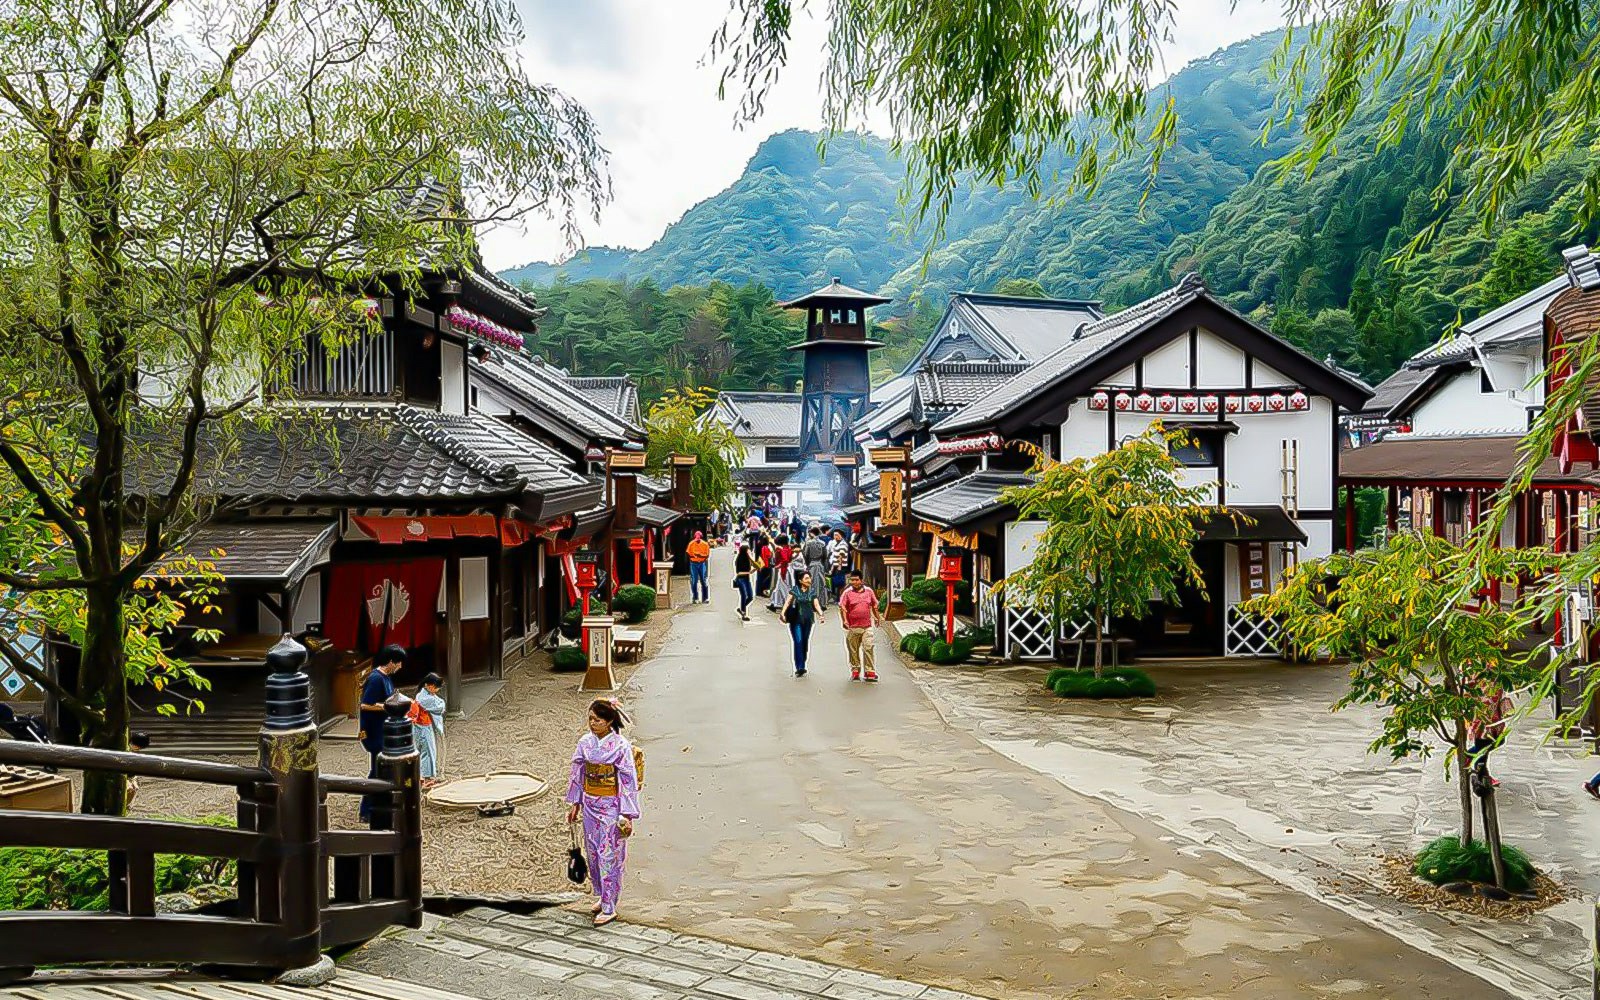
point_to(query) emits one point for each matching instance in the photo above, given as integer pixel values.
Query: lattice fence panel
(1251, 635)
(1029, 634)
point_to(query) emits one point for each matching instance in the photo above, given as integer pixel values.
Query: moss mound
(1120, 682)
(1445, 860)
(634, 603)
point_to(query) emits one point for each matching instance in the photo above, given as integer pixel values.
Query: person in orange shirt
(699, 551)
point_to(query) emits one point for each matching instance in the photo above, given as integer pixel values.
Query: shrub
(919, 645)
(634, 602)
(567, 658)
(1445, 860)
(50, 878)
(1120, 682)
(925, 596)
(571, 622)
(976, 635)
(907, 640)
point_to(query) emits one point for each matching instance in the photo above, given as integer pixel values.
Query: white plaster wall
(452, 378)
(1255, 456)
(1264, 376)
(1021, 538)
(1219, 364)
(1167, 366)
(490, 399)
(475, 587)
(1461, 406)
(307, 610)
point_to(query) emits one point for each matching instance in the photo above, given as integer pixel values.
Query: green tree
(974, 88)
(676, 424)
(1118, 533)
(1520, 262)
(1028, 288)
(168, 168)
(1424, 646)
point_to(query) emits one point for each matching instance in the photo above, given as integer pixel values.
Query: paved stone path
(848, 823)
(1250, 761)
(554, 954)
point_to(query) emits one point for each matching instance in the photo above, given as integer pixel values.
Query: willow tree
(194, 188)
(1119, 533)
(984, 90)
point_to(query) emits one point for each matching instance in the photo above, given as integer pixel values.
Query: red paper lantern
(636, 544)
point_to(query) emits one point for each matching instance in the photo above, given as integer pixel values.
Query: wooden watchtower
(836, 388)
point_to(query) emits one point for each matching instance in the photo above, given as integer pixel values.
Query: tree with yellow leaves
(1425, 641)
(676, 424)
(1119, 533)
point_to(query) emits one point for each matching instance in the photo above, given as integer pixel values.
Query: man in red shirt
(858, 613)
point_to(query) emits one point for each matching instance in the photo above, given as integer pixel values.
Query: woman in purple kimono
(604, 789)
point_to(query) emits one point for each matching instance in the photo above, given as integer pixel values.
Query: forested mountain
(1313, 257)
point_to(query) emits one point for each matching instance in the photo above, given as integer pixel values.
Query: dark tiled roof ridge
(992, 298)
(985, 366)
(430, 426)
(1190, 286)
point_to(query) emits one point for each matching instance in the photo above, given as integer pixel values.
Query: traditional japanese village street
(852, 824)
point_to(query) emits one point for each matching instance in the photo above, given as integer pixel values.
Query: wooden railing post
(400, 874)
(289, 753)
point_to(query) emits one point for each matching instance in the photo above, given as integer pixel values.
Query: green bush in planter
(569, 658)
(634, 603)
(1445, 860)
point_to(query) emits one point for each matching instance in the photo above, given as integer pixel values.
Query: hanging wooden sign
(1255, 577)
(891, 498)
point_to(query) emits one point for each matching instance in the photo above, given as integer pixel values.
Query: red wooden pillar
(1393, 508)
(1436, 505)
(1349, 519)
(1558, 503)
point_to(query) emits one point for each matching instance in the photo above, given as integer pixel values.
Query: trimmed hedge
(634, 602)
(949, 653)
(1445, 860)
(569, 658)
(919, 645)
(925, 596)
(50, 878)
(1119, 682)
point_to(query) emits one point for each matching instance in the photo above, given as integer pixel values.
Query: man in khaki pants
(858, 613)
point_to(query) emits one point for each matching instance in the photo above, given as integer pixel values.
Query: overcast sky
(639, 67)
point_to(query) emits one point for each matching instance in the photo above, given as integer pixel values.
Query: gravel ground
(531, 725)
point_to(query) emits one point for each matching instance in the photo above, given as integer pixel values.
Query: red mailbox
(585, 563)
(950, 566)
(950, 573)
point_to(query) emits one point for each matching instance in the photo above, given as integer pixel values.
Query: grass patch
(1118, 682)
(1445, 860)
(52, 878)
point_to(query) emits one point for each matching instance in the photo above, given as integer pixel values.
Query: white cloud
(640, 67)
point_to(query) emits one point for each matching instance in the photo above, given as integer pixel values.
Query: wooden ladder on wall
(1289, 476)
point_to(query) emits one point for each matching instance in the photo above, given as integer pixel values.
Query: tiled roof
(552, 392)
(618, 395)
(1027, 329)
(1394, 390)
(657, 516)
(1088, 342)
(1486, 458)
(971, 498)
(761, 414)
(836, 289)
(947, 385)
(277, 553)
(762, 475)
(891, 403)
(394, 455)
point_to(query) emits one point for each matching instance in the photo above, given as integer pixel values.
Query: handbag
(577, 868)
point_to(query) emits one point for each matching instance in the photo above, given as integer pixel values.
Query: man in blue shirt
(378, 689)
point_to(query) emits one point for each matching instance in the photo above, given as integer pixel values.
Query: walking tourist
(838, 562)
(744, 571)
(604, 790)
(699, 552)
(379, 688)
(427, 728)
(816, 557)
(858, 613)
(782, 559)
(801, 611)
(766, 556)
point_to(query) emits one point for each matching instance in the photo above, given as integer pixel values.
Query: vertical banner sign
(890, 500)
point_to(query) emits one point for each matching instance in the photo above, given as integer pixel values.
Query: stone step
(557, 953)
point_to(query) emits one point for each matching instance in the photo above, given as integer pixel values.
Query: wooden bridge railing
(288, 907)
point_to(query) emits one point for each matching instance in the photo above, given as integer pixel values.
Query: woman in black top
(744, 568)
(807, 612)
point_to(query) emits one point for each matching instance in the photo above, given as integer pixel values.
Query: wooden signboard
(625, 459)
(891, 498)
(1255, 576)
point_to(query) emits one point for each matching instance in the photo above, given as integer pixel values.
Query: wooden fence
(301, 887)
